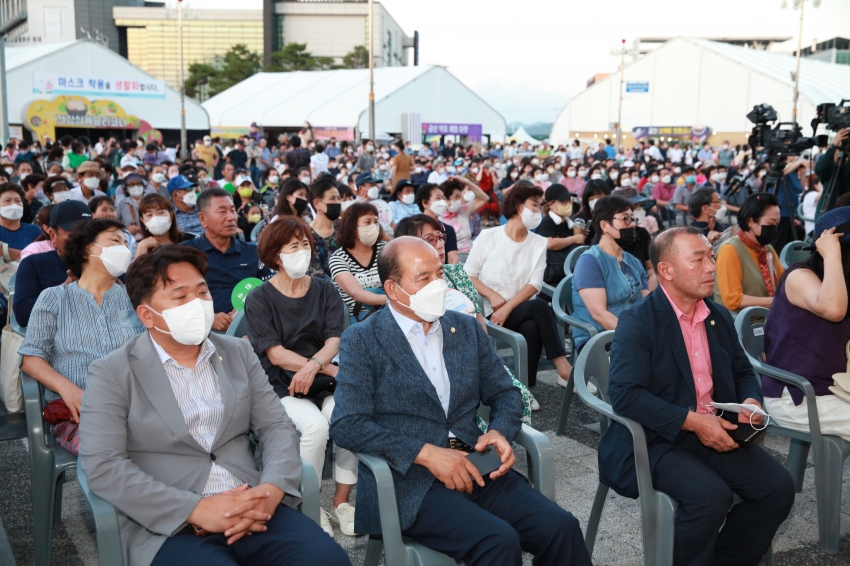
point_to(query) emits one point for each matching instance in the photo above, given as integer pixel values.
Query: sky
(527, 58)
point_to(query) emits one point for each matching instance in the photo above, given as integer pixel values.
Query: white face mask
(429, 302)
(91, 182)
(596, 176)
(368, 235)
(158, 225)
(61, 196)
(582, 172)
(345, 204)
(12, 211)
(136, 190)
(666, 179)
(468, 196)
(23, 176)
(439, 207)
(116, 259)
(418, 170)
(677, 170)
(592, 204)
(514, 174)
(626, 182)
(571, 174)
(555, 218)
(613, 175)
(190, 198)
(158, 178)
(296, 263)
(373, 193)
(274, 180)
(474, 170)
(640, 215)
(408, 199)
(189, 324)
(654, 178)
(305, 180)
(720, 215)
(207, 143)
(530, 220)
(8, 170)
(454, 206)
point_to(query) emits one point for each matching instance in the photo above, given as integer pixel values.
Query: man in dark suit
(410, 382)
(673, 354)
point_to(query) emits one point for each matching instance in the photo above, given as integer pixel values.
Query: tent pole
(182, 84)
(371, 71)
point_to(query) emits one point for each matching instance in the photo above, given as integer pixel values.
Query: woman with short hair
(325, 199)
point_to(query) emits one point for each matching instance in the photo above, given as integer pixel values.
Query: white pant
(314, 426)
(833, 414)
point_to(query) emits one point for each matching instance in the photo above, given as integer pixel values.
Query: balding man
(674, 353)
(410, 382)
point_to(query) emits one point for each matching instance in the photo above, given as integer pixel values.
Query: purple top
(801, 342)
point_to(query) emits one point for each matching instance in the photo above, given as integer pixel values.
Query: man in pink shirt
(673, 354)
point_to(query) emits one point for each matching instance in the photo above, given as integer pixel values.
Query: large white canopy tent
(521, 136)
(340, 99)
(700, 83)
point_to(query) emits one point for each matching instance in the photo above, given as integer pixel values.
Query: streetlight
(798, 4)
(622, 54)
(182, 84)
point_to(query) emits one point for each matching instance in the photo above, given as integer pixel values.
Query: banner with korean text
(81, 85)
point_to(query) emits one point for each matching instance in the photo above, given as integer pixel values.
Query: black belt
(457, 444)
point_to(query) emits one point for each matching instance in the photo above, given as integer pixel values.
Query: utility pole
(798, 4)
(619, 142)
(371, 71)
(182, 84)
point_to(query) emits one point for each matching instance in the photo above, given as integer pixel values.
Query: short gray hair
(664, 242)
(206, 196)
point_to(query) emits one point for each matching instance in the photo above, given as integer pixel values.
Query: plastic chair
(109, 550)
(562, 303)
(255, 233)
(794, 252)
(239, 326)
(572, 259)
(48, 464)
(404, 551)
(513, 340)
(829, 451)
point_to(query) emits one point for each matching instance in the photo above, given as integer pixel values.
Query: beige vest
(751, 277)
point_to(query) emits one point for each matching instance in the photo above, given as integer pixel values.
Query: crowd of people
(382, 266)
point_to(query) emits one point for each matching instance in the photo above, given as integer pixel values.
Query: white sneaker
(535, 406)
(562, 382)
(590, 387)
(344, 517)
(325, 523)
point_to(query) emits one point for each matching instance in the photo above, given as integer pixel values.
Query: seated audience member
(250, 215)
(354, 266)
(165, 427)
(465, 199)
(748, 268)
(593, 191)
(185, 199)
(369, 191)
(708, 212)
(230, 260)
(57, 189)
(47, 269)
(33, 185)
(292, 200)
(14, 234)
(607, 280)
(159, 225)
(103, 207)
(683, 191)
(324, 197)
(403, 204)
(294, 325)
(43, 243)
(506, 266)
(692, 456)
(808, 330)
(562, 235)
(432, 202)
(75, 324)
(643, 223)
(90, 176)
(394, 404)
(128, 207)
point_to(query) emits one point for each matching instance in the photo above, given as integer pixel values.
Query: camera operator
(826, 169)
(788, 194)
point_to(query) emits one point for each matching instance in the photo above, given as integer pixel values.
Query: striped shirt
(367, 276)
(69, 330)
(199, 398)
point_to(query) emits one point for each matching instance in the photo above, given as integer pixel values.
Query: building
(150, 37)
(836, 50)
(82, 87)
(410, 102)
(334, 28)
(691, 89)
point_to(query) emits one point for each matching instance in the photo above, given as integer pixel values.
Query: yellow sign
(229, 132)
(42, 117)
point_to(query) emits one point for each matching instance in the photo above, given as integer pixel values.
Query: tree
(295, 57)
(357, 58)
(200, 75)
(238, 65)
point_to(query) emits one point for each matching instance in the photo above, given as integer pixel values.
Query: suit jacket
(651, 382)
(387, 407)
(137, 451)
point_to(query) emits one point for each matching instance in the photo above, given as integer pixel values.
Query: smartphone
(486, 461)
(745, 435)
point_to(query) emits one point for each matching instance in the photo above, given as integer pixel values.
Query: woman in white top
(465, 199)
(506, 266)
(810, 202)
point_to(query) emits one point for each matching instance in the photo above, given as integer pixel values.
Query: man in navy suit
(674, 353)
(410, 382)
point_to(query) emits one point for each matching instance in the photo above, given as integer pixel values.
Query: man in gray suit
(410, 381)
(164, 435)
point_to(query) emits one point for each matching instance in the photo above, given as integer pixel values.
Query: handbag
(10, 371)
(841, 389)
(56, 412)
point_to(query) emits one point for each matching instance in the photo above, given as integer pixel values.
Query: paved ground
(618, 542)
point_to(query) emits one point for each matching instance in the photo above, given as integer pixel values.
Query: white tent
(340, 99)
(693, 83)
(521, 136)
(88, 59)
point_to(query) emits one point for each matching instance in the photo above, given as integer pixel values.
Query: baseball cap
(403, 183)
(458, 161)
(242, 179)
(207, 138)
(65, 214)
(179, 182)
(128, 161)
(836, 218)
(133, 177)
(558, 192)
(364, 178)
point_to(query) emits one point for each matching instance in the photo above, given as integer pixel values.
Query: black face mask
(627, 237)
(767, 234)
(300, 205)
(334, 210)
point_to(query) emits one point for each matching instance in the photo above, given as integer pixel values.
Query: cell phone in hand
(486, 462)
(745, 435)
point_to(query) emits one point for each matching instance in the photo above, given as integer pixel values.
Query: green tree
(295, 57)
(357, 58)
(238, 64)
(200, 75)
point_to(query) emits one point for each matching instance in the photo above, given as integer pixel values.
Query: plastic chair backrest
(255, 233)
(565, 297)
(572, 259)
(597, 365)
(239, 326)
(793, 252)
(750, 326)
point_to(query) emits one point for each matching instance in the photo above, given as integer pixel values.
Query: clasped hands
(237, 512)
(712, 430)
(455, 471)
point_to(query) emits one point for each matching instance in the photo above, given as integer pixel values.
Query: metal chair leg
(595, 515)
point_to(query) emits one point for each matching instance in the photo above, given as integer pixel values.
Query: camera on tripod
(783, 138)
(835, 116)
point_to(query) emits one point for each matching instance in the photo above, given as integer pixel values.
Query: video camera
(835, 116)
(783, 138)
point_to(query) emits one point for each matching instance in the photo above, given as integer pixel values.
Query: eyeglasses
(434, 238)
(625, 219)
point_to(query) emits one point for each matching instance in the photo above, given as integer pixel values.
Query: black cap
(559, 192)
(65, 214)
(403, 183)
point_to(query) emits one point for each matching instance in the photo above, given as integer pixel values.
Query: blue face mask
(690, 179)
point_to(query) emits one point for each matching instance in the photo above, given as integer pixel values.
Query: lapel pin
(453, 330)
(222, 359)
(711, 322)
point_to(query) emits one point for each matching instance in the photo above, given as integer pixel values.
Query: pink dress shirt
(696, 343)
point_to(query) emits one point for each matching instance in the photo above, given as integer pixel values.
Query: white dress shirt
(428, 349)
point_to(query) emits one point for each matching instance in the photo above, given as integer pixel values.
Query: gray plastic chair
(109, 550)
(239, 326)
(830, 452)
(404, 551)
(255, 233)
(513, 340)
(794, 252)
(48, 463)
(572, 259)
(562, 304)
